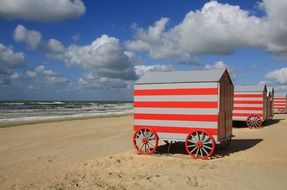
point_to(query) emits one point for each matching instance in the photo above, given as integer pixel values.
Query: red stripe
(185, 130)
(176, 104)
(248, 95)
(178, 117)
(283, 102)
(248, 102)
(280, 98)
(185, 91)
(246, 114)
(248, 108)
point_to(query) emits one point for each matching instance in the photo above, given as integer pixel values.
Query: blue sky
(95, 50)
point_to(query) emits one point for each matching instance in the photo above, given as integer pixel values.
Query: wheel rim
(254, 121)
(200, 145)
(145, 141)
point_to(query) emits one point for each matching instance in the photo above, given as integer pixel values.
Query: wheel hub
(199, 144)
(144, 140)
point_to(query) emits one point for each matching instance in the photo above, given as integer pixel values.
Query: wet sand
(98, 154)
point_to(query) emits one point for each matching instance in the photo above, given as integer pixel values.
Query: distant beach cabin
(194, 107)
(250, 105)
(280, 102)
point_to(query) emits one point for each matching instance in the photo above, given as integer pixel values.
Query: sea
(18, 112)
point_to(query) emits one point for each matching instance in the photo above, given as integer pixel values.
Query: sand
(98, 154)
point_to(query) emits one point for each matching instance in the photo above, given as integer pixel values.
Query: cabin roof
(280, 94)
(207, 75)
(251, 88)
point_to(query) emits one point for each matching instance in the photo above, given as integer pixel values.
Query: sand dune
(98, 154)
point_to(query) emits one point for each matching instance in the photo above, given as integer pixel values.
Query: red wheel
(145, 141)
(253, 121)
(200, 145)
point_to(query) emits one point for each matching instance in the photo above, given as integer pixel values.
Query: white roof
(252, 88)
(208, 75)
(280, 94)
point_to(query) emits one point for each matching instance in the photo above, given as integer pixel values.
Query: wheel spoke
(204, 150)
(196, 154)
(201, 137)
(192, 140)
(148, 146)
(193, 149)
(197, 136)
(206, 138)
(141, 147)
(151, 145)
(201, 152)
(149, 135)
(207, 147)
(192, 145)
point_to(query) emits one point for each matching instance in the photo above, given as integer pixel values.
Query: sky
(95, 50)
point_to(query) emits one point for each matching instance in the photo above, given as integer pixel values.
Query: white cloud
(31, 74)
(279, 76)
(143, 69)
(42, 10)
(9, 59)
(216, 29)
(94, 82)
(31, 38)
(104, 57)
(15, 76)
(134, 58)
(42, 77)
(222, 65)
(217, 65)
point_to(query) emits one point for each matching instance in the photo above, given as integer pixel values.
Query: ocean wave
(79, 115)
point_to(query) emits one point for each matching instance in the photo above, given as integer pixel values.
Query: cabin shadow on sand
(271, 122)
(242, 124)
(236, 145)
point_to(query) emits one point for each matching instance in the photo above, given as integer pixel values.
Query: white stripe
(249, 105)
(177, 98)
(177, 137)
(248, 99)
(167, 123)
(198, 111)
(175, 86)
(172, 136)
(248, 111)
(237, 118)
(248, 93)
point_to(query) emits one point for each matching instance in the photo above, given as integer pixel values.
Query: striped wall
(280, 103)
(246, 104)
(173, 110)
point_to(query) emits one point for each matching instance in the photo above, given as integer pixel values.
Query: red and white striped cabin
(250, 105)
(175, 106)
(280, 102)
(270, 106)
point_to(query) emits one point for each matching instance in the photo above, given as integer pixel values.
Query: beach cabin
(280, 102)
(194, 107)
(250, 105)
(270, 96)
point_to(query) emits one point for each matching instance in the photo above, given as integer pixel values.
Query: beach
(98, 154)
